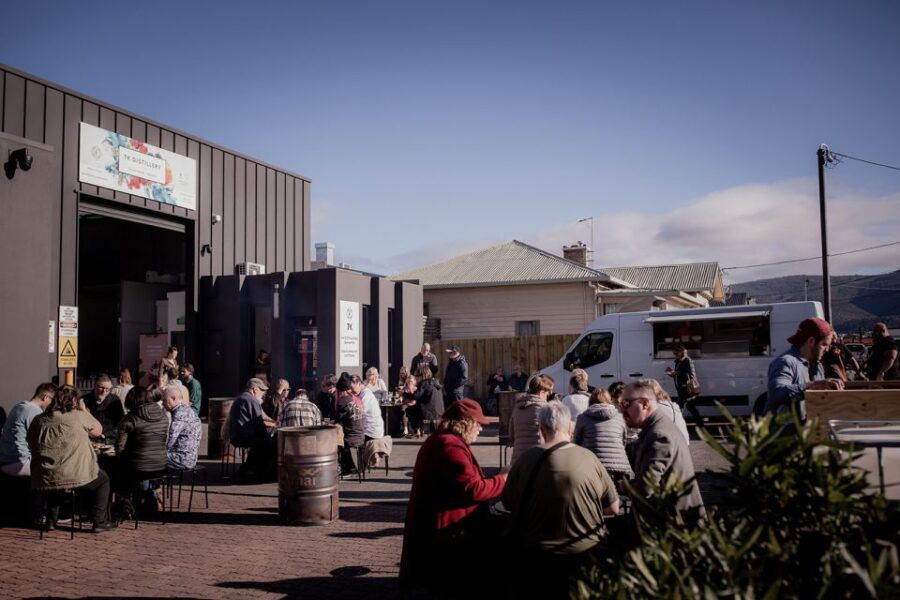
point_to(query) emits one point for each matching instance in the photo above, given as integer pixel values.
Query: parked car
(732, 347)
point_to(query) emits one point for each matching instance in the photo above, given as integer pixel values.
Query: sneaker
(104, 526)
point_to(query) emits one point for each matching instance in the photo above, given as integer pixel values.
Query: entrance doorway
(132, 284)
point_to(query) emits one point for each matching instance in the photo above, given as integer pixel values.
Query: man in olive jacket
(661, 450)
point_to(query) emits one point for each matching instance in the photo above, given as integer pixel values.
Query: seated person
(558, 494)
(299, 412)
(373, 423)
(104, 406)
(249, 427)
(62, 457)
(185, 430)
(350, 416)
(601, 429)
(326, 399)
(15, 456)
(141, 442)
(518, 380)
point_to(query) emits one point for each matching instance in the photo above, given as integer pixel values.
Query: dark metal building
(113, 253)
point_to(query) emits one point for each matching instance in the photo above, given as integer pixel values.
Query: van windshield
(714, 338)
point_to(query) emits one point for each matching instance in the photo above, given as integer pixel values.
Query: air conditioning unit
(249, 268)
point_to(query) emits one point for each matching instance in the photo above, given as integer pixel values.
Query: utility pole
(824, 156)
(806, 290)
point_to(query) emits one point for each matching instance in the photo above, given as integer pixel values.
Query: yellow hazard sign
(68, 352)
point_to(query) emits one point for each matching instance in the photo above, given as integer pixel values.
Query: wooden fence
(486, 354)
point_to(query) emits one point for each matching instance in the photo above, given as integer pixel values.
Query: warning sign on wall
(68, 337)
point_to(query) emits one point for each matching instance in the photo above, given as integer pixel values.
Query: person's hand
(505, 470)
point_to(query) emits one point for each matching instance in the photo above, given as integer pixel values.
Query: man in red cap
(800, 368)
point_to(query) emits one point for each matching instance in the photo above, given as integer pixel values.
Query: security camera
(18, 159)
(216, 219)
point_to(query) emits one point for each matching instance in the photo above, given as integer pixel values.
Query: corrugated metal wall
(265, 210)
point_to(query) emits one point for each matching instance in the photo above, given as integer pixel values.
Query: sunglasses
(626, 402)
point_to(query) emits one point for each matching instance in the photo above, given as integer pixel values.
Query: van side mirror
(567, 361)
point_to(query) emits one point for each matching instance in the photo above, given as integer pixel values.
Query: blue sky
(687, 129)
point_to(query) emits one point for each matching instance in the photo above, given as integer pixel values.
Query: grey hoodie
(601, 429)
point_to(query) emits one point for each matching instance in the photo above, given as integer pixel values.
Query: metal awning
(708, 316)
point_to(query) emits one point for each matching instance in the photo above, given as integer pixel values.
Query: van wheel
(759, 407)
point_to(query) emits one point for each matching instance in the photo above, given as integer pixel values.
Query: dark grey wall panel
(303, 226)
(34, 111)
(240, 212)
(53, 134)
(218, 169)
(250, 226)
(227, 224)
(261, 215)
(271, 232)
(280, 263)
(203, 209)
(68, 264)
(289, 223)
(14, 105)
(2, 99)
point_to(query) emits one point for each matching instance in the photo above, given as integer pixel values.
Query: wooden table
(868, 433)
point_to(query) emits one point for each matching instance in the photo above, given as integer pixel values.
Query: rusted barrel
(507, 402)
(218, 414)
(308, 475)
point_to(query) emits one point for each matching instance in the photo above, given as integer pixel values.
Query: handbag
(693, 386)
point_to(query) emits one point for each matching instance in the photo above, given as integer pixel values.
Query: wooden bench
(864, 404)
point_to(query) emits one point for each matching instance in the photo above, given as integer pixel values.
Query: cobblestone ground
(236, 548)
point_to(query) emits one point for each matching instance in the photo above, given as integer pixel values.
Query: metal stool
(73, 502)
(180, 473)
(229, 455)
(162, 480)
(363, 468)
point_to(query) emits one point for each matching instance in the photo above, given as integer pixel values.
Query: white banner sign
(348, 332)
(125, 164)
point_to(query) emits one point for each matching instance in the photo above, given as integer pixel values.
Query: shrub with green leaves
(800, 523)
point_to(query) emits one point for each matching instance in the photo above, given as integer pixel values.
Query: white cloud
(742, 225)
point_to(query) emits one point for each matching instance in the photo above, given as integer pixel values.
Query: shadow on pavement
(374, 513)
(344, 582)
(369, 535)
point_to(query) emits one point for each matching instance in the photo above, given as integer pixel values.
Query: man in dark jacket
(518, 380)
(104, 406)
(424, 357)
(456, 377)
(249, 428)
(660, 451)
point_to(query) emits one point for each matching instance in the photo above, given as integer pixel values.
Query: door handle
(635, 374)
(607, 375)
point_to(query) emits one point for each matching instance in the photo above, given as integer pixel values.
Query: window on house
(612, 308)
(524, 328)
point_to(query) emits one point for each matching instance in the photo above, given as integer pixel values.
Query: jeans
(685, 401)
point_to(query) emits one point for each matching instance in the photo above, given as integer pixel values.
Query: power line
(796, 260)
(816, 289)
(863, 160)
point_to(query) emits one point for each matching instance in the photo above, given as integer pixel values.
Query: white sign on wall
(125, 164)
(348, 332)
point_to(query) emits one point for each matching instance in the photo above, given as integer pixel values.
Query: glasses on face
(104, 389)
(627, 402)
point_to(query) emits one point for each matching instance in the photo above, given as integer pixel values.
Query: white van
(732, 347)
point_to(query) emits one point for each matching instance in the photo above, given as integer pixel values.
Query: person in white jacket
(373, 427)
(578, 399)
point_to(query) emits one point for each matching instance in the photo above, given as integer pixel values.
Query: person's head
(424, 372)
(555, 422)
(329, 382)
(372, 375)
(171, 373)
(464, 418)
(880, 330)
(186, 373)
(172, 353)
(403, 374)
(356, 385)
(344, 383)
(281, 390)
(426, 349)
(65, 400)
(638, 402)
(453, 351)
(256, 387)
(578, 382)
(102, 387)
(679, 350)
(172, 397)
(124, 376)
(498, 371)
(812, 338)
(615, 390)
(541, 385)
(301, 394)
(517, 369)
(600, 396)
(263, 356)
(44, 394)
(661, 394)
(139, 395)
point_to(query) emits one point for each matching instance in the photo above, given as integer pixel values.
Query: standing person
(249, 427)
(275, 398)
(456, 377)
(833, 362)
(882, 362)
(62, 457)
(800, 368)
(518, 380)
(195, 392)
(373, 423)
(660, 451)
(429, 398)
(121, 389)
(524, 431)
(447, 518)
(326, 399)
(601, 429)
(171, 359)
(374, 382)
(351, 417)
(579, 397)
(103, 406)
(299, 412)
(685, 376)
(424, 357)
(262, 365)
(15, 456)
(185, 430)
(557, 494)
(497, 383)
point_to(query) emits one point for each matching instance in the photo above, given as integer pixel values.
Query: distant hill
(857, 301)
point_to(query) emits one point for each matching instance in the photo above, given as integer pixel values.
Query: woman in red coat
(447, 519)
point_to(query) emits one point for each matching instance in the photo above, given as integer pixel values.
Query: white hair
(554, 418)
(174, 389)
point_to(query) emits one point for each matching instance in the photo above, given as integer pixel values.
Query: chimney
(580, 253)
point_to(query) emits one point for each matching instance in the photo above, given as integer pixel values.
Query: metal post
(823, 157)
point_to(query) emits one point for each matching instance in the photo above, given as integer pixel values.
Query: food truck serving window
(729, 335)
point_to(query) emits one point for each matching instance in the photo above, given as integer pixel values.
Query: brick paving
(237, 548)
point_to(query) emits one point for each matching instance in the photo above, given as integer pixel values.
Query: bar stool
(229, 455)
(162, 480)
(69, 495)
(180, 473)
